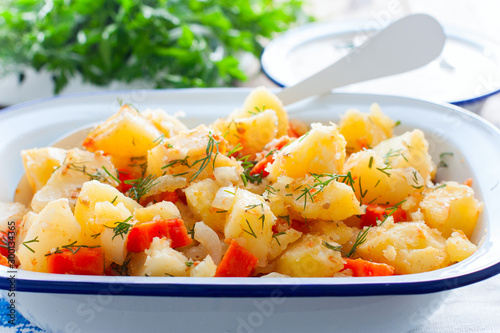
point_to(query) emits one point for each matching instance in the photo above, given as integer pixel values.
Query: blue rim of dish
(347, 27)
(232, 290)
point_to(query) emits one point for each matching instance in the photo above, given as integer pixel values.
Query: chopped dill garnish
(34, 240)
(275, 236)
(140, 186)
(121, 227)
(251, 232)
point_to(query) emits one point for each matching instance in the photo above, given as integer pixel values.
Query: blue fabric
(22, 325)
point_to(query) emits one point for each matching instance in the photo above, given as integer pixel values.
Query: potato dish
(252, 194)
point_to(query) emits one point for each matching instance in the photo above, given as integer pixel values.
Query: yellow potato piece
(262, 99)
(40, 163)
(459, 247)
(93, 192)
(321, 150)
(313, 200)
(410, 247)
(168, 124)
(363, 130)
(393, 170)
(55, 226)
(200, 196)
(450, 207)
(250, 222)
(126, 134)
(309, 257)
(79, 167)
(252, 133)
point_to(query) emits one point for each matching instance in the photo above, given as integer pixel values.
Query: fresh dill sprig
(251, 232)
(121, 227)
(140, 186)
(212, 147)
(34, 240)
(360, 239)
(275, 236)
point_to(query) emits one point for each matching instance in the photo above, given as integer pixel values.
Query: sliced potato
(393, 170)
(261, 99)
(308, 257)
(251, 134)
(93, 192)
(40, 163)
(113, 245)
(192, 155)
(363, 130)
(164, 261)
(11, 212)
(55, 226)
(319, 151)
(451, 206)
(165, 210)
(168, 124)
(459, 247)
(200, 196)
(322, 198)
(410, 247)
(127, 133)
(66, 182)
(250, 222)
(206, 268)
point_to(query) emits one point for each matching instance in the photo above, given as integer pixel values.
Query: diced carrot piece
(141, 236)
(124, 175)
(82, 261)
(237, 262)
(376, 213)
(4, 261)
(362, 267)
(177, 233)
(261, 165)
(468, 182)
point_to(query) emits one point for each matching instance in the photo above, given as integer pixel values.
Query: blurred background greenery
(166, 43)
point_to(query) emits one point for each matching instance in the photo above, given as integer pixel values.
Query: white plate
(95, 303)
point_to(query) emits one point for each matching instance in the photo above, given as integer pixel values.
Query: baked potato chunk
(451, 206)
(410, 247)
(79, 167)
(40, 163)
(125, 134)
(365, 130)
(309, 257)
(55, 226)
(319, 151)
